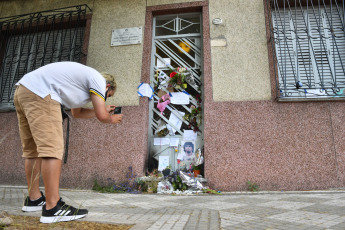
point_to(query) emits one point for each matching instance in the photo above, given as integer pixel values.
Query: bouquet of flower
(178, 77)
(194, 118)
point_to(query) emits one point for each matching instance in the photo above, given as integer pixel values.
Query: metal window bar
(308, 40)
(30, 41)
(177, 25)
(162, 46)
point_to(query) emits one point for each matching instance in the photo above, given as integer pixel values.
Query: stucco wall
(279, 146)
(239, 42)
(123, 61)
(292, 146)
(239, 51)
(248, 135)
(96, 151)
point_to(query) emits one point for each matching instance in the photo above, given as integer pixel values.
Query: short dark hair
(188, 144)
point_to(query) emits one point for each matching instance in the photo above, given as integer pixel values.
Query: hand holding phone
(118, 110)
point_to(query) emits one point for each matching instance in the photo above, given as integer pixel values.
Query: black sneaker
(61, 212)
(32, 206)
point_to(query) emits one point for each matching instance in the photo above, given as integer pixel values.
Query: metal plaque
(126, 36)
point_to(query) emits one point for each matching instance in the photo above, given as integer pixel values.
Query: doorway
(176, 77)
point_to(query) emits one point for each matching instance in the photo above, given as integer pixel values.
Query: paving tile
(286, 204)
(314, 210)
(310, 218)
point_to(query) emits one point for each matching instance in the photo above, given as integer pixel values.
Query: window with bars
(30, 41)
(309, 48)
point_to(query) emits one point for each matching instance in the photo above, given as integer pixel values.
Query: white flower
(181, 70)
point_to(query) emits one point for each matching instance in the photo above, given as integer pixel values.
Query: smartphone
(118, 110)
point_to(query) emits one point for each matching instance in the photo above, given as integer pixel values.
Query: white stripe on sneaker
(58, 212)
(42, 203)
(63, 213)
(67, 212)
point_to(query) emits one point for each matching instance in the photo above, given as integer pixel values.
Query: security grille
(309, 43)
(30, 41)
(176, 43)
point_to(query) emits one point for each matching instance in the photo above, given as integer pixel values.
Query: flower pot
(196, 173)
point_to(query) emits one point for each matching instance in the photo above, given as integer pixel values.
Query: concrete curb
(335, 190)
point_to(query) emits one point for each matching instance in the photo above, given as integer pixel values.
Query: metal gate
(176, 76)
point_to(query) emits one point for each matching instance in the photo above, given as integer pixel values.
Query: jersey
(69, 83)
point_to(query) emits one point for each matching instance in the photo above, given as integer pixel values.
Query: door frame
(151, 12)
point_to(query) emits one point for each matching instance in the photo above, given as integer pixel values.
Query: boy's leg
(32, 172)
(55, 209)
(51, 170)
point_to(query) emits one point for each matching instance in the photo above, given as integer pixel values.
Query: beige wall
(238, 46)
(240, 70)
(123, 61)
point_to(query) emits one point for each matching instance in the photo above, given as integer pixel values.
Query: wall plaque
(126, 36)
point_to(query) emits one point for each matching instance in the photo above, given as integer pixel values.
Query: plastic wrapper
(164, 187)
(190, 181)
(199, 158)
(190, 79)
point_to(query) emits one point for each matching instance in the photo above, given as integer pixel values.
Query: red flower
(173, 74)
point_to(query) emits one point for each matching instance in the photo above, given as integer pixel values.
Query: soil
(33, 223)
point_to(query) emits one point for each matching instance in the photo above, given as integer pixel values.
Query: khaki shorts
(40, 124)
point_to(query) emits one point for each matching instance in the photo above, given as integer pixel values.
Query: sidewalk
(262, 210)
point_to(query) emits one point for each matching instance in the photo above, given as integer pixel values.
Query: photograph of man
(188, 154)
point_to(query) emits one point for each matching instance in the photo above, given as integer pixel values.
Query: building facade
(269, 73)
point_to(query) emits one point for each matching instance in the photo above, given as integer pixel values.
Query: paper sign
(174, 142)
(161, 64)
(163, 162)
(179, 98)
(174, 120)
(161, 141)
(189, 135)
(145, 90)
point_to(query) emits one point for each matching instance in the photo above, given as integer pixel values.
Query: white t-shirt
(69, 83)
